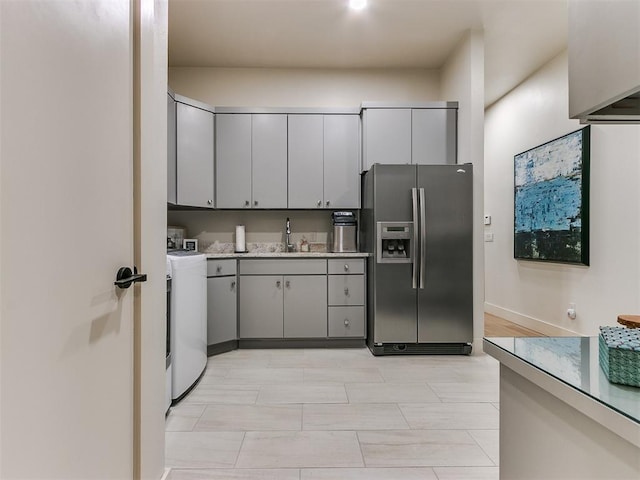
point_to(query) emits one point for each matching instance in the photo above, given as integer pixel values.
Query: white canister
(241, 246)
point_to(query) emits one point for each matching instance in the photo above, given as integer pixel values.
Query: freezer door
(394, 311)
(445, 304)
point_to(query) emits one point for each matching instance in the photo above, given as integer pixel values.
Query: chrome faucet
(289, 246)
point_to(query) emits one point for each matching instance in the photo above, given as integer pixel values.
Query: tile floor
(332, 414)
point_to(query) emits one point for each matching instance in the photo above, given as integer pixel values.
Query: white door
(67, 225)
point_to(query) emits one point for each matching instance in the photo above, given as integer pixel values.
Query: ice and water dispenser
(395, 244)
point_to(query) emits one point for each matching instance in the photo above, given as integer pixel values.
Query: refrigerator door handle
(423, 237)
(414, 240)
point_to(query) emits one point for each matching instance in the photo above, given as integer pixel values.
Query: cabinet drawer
(346, 321)
(346, 289)
(346, 266)
(283, 267)
(218, 268)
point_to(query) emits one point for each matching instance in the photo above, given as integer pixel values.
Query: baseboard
(167, 471)
(541, 326)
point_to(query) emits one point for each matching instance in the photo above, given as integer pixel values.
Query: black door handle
(125, 277)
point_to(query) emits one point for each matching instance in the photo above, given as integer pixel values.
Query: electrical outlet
(488, 237)
(487, 219)
(571, 311)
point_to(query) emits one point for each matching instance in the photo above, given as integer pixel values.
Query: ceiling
(519, 35)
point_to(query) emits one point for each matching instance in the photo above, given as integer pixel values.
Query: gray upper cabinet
(233, 161)
(434, 136)
(306, 156)
(423, 134)
(195, 139)
(342, 161)
(387, 136)
(171, 150)
(324, 159)
(269, 156)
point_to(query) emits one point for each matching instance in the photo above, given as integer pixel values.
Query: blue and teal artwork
(551, 210)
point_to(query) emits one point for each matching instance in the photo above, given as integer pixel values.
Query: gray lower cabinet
(297, 299)
(305, 306)
(261, 306)
(222, 324)
(346, 298)
(194, 163)
(222, 301)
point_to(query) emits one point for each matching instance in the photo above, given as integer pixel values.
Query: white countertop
(287, 255)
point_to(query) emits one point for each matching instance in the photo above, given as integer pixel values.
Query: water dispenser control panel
(394, 242)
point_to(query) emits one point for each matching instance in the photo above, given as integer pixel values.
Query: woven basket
(619, 354)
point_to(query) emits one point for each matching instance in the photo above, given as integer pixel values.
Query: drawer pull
(233, 285)
(218, 268)
(346, 322)
(346, 267)
(278, 283)
(346, 291)
(287, 284)
(246, 203)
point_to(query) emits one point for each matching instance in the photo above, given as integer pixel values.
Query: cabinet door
(305, 306)
(434, 136)
(194, 129)
(233, 160)
(269, 161)
(387, 136)
(342, 161)
(171, 150)
(261, 306)
(306, 161)
(222, 323)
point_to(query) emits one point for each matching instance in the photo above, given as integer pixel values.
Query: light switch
(487, 219)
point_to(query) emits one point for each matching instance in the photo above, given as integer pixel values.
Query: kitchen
(524, 118)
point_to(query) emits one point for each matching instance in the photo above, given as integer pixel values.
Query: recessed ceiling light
(357, 4)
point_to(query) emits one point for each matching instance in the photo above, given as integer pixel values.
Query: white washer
(188, 320)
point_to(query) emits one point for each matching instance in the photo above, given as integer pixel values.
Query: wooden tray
(631, 321)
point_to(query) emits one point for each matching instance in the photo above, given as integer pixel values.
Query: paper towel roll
(240, 243)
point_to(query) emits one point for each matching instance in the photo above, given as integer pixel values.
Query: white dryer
(188, 320)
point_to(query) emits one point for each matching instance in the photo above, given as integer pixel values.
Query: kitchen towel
(240, 243)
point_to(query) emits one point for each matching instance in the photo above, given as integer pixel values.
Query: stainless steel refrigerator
(416, 222)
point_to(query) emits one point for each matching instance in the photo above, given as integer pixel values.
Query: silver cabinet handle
(278, 283)
(255, 203)
(346, 267)
(233, 285)
(346, 322)
(287, 284)
(218, 268)
(319, 203)
(328, 203)
(247, 203)
(346, 291)
(209, 202)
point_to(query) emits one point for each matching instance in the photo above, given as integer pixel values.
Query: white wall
(537, 294)
(263, 87)
(463, 80)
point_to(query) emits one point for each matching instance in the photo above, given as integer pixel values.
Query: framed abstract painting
(551, 200)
